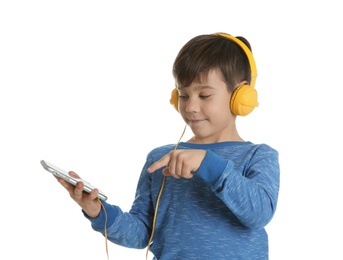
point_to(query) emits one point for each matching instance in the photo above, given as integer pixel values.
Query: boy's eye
(200, 96)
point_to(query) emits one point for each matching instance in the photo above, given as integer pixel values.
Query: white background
(86, 86)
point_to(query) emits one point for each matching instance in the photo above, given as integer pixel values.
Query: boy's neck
(229, 138)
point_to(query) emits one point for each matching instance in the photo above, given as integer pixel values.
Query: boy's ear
(243, 82)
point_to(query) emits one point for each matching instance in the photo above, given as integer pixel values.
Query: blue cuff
(99, 222)
(211, 167)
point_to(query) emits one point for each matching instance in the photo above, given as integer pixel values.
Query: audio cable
(158, 200)
(105, 228)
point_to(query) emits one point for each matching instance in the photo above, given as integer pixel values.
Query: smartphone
(87, 187)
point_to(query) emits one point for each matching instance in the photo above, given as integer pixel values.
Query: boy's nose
(192, 105)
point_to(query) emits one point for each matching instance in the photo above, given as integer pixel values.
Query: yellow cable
(105, 228)
(158, 200)
(155, 215)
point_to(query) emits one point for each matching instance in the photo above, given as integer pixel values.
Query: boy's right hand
(87, 201)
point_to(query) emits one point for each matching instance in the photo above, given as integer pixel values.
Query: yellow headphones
(244, 98)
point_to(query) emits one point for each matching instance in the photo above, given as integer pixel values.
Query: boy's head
(230, 55)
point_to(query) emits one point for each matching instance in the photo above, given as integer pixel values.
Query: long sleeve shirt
(219, 213)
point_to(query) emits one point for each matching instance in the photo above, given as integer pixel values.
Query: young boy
(209, 197)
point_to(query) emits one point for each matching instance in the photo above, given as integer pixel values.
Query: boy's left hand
(179, 163)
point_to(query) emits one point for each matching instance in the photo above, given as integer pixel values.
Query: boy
(209, 197)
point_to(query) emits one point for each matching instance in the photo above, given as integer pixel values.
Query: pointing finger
(159, 164)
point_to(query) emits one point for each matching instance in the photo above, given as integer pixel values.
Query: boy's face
(205, 107)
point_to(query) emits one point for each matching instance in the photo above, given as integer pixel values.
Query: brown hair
(206, 52)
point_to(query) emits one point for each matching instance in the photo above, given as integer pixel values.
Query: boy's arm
(129, 229)
(252, 197)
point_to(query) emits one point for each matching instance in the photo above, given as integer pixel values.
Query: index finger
(159, 164)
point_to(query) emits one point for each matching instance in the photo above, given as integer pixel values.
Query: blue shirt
(220, 213)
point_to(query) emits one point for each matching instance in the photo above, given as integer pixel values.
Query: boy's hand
(87, 201)
(179, 163)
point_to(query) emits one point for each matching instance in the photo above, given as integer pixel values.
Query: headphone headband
(247, 52)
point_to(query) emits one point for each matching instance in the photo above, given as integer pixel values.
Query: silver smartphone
(65, 176)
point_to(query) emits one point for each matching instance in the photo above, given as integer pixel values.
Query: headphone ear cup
(174, 99)
(243, 100)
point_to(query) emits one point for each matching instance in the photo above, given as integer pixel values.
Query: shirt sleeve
(129, 229)
(250, 192)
